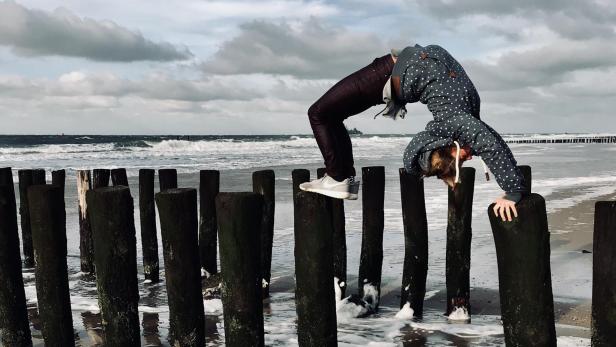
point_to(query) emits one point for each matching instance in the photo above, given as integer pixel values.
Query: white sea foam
(459, 314)
(461, 330)
(346, 310)
(430, 294)
(571, 341)
(149, 309)
(406, 312)
(213, 306)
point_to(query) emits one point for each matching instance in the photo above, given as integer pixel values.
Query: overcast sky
(255, 67)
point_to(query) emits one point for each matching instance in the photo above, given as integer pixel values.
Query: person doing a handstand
(433, 77)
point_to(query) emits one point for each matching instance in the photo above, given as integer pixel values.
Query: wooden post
(58, 178)
(100, 178)
(6, 179)
(527, 173)
(340, 251)
(239, 218)
(118, 177)
(15, 329)
(459, 234)
(167, 179)
(177, 209)
(147, 213)
(86, 245)
(525, 284)
(209, 186)
(264, 182)
(371, 260)
(48, 221)
(604, 275)
(38, 177)
(415, 224)
(314, 293)
(299, 176)
(115, 255)
(25, 181)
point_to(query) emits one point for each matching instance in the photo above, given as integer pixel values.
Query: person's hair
(443, 165)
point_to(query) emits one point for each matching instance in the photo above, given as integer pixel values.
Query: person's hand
(505, 208)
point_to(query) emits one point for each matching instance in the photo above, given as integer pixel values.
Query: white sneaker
(347, 189)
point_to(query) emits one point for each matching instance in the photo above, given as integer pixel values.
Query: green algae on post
(239, 218)
(13, 314)
(177, 209)
(48, 221)
(115, 255)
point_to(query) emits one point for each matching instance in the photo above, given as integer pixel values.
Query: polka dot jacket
(433, 77)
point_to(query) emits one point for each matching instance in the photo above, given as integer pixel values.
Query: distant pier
(561, 138)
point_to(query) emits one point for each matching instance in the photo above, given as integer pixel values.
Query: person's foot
(346, 189)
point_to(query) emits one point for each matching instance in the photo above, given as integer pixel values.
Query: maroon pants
(350, 96)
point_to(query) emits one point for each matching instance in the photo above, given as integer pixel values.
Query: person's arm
(487, 143)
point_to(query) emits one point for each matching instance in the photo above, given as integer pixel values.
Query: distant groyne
(561, 138)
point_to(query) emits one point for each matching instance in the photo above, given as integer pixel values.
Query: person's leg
(352, 95)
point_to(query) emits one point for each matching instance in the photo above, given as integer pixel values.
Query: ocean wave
(129, 144)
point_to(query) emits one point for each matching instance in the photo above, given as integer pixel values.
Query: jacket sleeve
(485, 142)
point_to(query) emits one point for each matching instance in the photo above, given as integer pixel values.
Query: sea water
(567, 175)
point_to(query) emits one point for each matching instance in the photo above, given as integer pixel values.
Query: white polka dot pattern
(433, 77)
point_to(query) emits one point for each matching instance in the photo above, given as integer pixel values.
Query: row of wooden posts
(244, 225)
(572, 139)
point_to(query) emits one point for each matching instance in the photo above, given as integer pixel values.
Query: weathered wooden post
(299, 176)
(48, 221)
(239, 218)
(6, 179)
(86, 245)
(115, 255)
(604, 275)
(415, 224)
(314, 271)
(371, 260)
(25, 181)
(264, 182)
(38, 177)
(58, 178)
(167, 179)
(177, 209)
(527, 173)
(118, 177)
(340, 251)
(100, 178)
(525, 284)
(13, 314)
(147, 213)
(459, 234)
(209, 186)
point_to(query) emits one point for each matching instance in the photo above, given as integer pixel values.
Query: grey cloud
(32, 32)
(309, 50)
(570, 18)
(542, 66)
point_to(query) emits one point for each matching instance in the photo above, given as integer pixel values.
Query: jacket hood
(421, 144)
